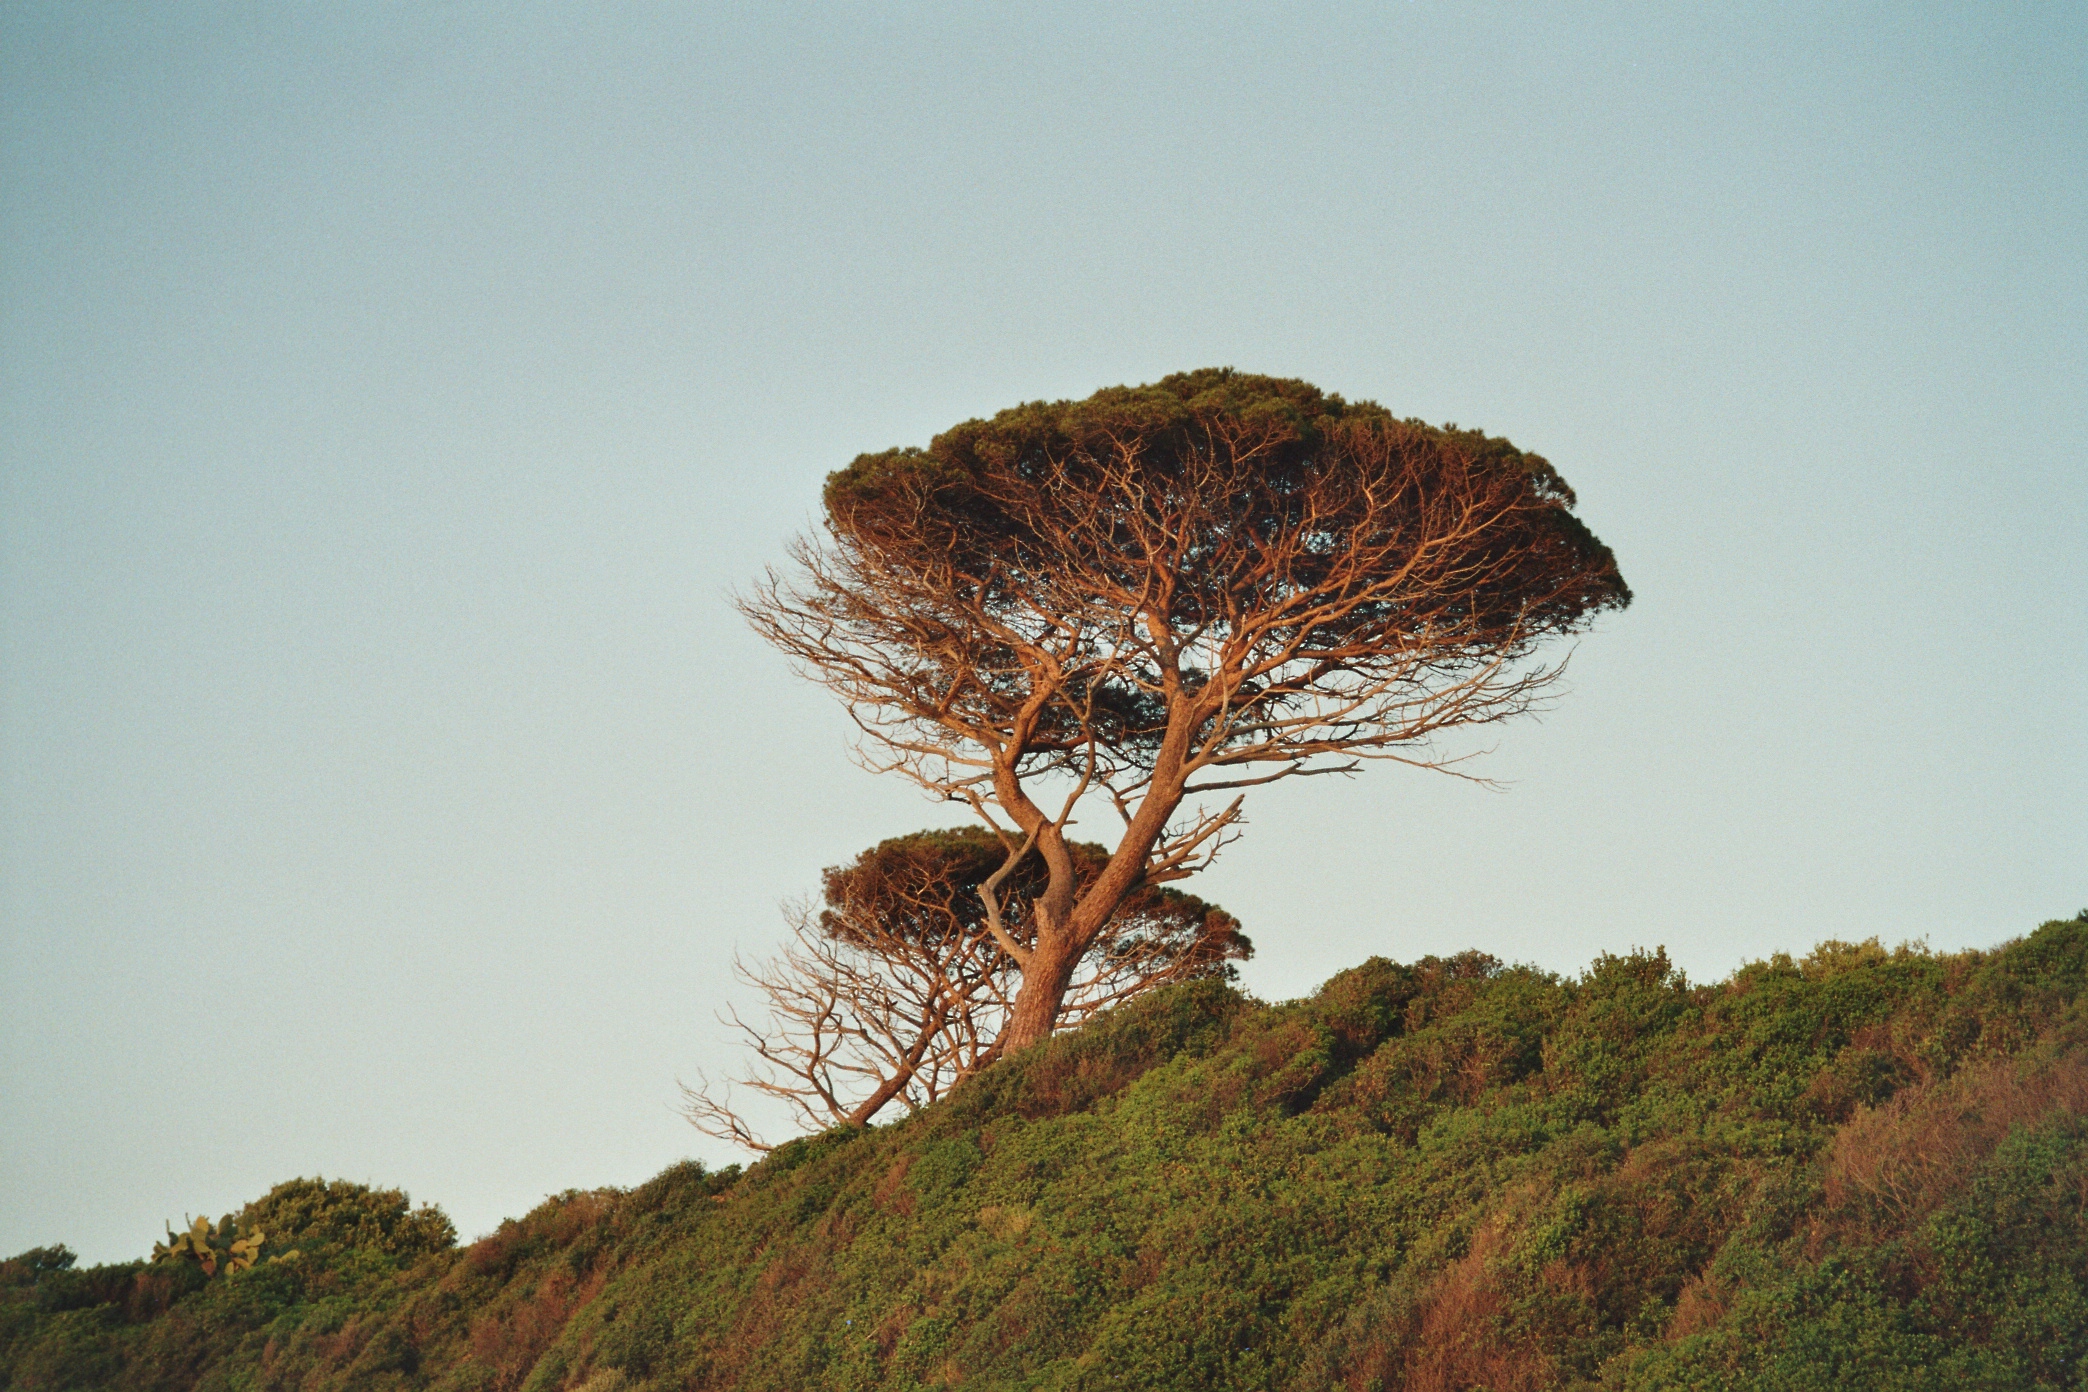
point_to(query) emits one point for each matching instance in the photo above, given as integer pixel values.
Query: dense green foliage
(1866, 1169)
(975, 480)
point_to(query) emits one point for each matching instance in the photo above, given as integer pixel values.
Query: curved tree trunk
(1045, 979)
(1069, 922)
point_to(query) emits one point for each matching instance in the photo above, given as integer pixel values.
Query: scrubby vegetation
(1866, 1169)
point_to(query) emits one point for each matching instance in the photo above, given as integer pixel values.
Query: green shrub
(1866, 1168)
(323, 1217)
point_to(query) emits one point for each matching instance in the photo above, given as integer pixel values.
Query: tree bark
(1045, 979)
(1067, 927)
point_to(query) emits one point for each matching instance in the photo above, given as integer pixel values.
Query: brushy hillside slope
(1867, 1169)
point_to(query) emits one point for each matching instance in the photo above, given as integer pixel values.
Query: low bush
(1866, 1168)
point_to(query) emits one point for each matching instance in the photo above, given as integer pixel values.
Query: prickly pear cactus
(244, 1252)
(209, 1247)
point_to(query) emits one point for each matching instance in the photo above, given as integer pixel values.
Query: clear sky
(391, 395)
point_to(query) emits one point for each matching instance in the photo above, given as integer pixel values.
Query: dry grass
(1895, 1163)
(1456, 1337)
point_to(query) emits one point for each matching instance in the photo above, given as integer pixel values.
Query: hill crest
(1863, 1168)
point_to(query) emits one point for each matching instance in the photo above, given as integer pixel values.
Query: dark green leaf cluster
(1209, 503)
(1866, 1168)
(924, 887)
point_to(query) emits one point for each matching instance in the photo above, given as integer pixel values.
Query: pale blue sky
(392, 393)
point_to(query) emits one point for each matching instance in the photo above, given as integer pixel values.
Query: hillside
(1867, 1169)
